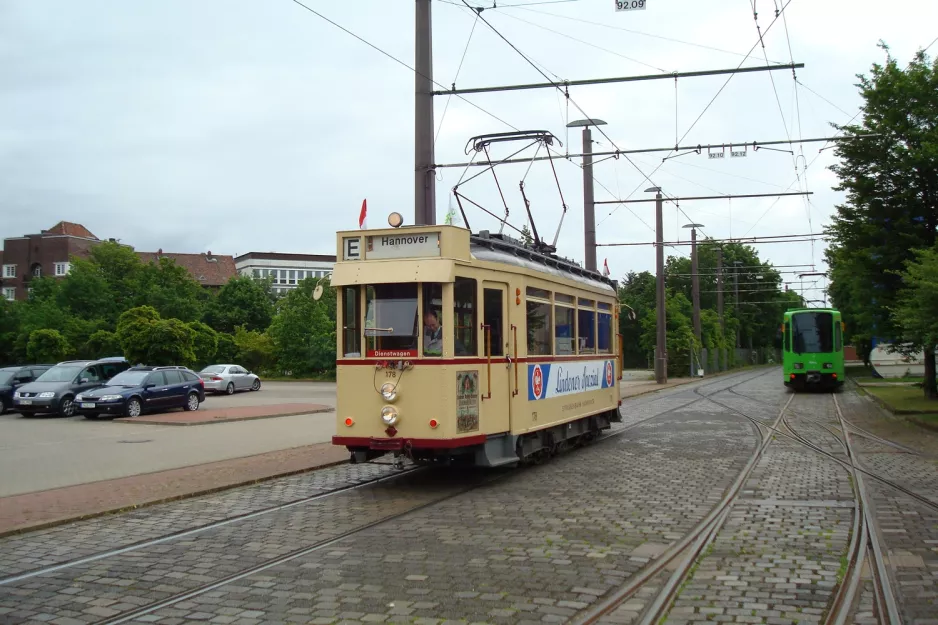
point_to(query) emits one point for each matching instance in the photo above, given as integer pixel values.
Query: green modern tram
(813, 348)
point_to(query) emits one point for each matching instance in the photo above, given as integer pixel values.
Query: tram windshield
(391, 320)
(813, 333)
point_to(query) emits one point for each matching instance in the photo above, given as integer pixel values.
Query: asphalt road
(39, 453)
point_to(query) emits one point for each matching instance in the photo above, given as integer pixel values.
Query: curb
(221, 419)
(684, 381)
(146, 504)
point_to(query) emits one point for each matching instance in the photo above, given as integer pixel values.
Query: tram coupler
(398, 460)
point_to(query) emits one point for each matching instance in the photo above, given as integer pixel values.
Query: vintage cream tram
(460, 348)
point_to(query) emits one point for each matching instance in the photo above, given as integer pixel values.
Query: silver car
(228, 379)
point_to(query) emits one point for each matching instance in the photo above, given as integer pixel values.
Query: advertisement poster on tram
(547, 380)
(467, 401)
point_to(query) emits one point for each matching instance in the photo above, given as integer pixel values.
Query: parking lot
(43, 452)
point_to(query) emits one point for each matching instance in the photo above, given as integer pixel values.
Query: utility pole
(695, 278)
(722, 356)
(737, 263)
(589, 207)
(425, 174)
(661, 353)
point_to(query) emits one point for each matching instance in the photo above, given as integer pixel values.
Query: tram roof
(430, 252)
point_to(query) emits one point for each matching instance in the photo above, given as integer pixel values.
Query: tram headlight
(389, 392)
(799, 365)
(389, 415)
(828, 365)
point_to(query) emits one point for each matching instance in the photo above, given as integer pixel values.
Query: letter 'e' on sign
(352, 248)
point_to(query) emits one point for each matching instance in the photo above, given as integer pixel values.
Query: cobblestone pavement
(777, 559)
(543, 544)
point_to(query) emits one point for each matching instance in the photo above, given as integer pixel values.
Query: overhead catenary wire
(398, 61)
(706, 108)
(455, 78)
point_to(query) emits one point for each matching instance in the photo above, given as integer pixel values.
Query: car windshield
(64, 373)
(129, 378)
(813, 333)
(6, 376)
(213, 369)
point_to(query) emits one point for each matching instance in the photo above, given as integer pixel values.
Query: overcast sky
(253, 125)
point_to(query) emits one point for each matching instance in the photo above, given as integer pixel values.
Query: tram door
(496, 336)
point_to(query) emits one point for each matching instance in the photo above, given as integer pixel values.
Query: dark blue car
(143, 389)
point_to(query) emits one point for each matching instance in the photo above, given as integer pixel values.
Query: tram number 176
(630, 5)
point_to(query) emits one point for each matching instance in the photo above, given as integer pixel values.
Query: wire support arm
(617, 79)
(707, 197)
(756, 145)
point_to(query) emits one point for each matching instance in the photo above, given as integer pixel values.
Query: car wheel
(257, 385)
(92, 417)
(230, 388)
(67, 407)
(192, 402)
(3, 405)
(133, 408)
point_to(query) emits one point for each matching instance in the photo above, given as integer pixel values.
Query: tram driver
(432, 334)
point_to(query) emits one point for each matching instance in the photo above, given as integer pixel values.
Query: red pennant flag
(363, 214)
(606, 267)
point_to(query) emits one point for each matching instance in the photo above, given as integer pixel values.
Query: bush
(46, 346)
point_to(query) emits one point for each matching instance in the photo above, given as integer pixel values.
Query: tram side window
(837, 336)
(564, 324)
(391, 320)
(786, 337)
(604, 328)
(465, 317)
(586, 326)
(539, 326)
(433, 319)
(351, 326)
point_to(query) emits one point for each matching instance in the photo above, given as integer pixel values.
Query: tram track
(864, 546)
(691, 545)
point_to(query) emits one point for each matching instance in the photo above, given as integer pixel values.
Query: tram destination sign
(569, 378)
(402, 245)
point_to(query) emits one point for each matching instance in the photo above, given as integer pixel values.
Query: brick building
(49, 252)
(44, 254)
(210, 270)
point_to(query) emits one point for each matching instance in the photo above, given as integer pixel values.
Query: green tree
(679, 336)
(104, 343)
(255, 349)
(46, 346)
(205, 343)
(304, 330)
(915, 311)
(244, 302)
(526, 235)
(171, 290)
(637, 291)
(227, 351)
(148, 339)
(891, 184)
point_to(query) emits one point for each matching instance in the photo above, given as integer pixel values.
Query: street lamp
(695, 280)
(661, 353)
(589, 206)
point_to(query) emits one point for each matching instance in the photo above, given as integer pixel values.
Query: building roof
(207, 269)
(70, 229)
(321, 258)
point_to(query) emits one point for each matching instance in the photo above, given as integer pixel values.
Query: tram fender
(497, 451)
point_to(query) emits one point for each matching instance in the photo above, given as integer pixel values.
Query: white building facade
(284, 270)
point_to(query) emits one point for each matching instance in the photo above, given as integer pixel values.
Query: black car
(54, 391)
(141, 389)
(11, 378)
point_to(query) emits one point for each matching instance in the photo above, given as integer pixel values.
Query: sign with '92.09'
(630, 5)
(546, 381)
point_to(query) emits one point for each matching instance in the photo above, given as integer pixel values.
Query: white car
(228, 379)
